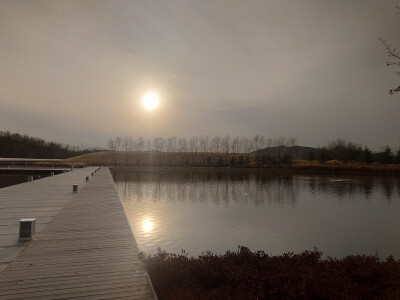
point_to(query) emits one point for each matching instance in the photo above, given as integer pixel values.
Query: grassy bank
(256, 275)
(236, 160)
(339, 166)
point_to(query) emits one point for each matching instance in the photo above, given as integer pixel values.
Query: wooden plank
(86, 251)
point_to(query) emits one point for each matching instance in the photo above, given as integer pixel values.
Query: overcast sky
(75, 71)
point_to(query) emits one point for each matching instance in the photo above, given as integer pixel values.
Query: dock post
(75, 188)
(92, 173)
(26, 229)
(87, 178)
(30, 178)
(51, 173)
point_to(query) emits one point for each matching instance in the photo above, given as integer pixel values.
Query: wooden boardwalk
(84, 249)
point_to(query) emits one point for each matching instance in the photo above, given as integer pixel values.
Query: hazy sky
(75, 71)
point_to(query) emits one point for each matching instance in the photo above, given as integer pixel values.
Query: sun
(150, 101)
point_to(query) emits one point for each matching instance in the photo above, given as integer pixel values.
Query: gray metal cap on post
(87, 178)
(75, 188)
(30, 178)
(51, 173)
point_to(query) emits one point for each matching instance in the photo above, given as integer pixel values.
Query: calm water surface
(199, 210)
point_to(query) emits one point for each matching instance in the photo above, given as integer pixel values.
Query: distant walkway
(30, 170)
(84, 248)
(25, 161)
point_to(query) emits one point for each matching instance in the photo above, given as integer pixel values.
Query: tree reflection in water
(200, 209)
(222, 187)
(201, 187)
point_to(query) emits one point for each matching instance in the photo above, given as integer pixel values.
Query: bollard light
(75, 188)
(30, 178)
(87, 178)
(51, 173)
(26, 229)
(92, 173)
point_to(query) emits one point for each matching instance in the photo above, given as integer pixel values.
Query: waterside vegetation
(205, 151)
(231, 160)
(255, 275)
(16, 145)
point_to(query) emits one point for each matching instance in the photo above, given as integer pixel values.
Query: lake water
(7, 180)
(204, 209)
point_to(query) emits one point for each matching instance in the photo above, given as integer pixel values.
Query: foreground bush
(256, 275)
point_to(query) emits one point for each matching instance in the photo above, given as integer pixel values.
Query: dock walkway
(84, 249)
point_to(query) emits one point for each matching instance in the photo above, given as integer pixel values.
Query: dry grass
(336, 165)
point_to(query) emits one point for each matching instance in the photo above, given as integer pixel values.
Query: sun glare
(147, 225)
(150, 101)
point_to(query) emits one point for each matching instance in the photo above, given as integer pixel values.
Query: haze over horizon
(75, 71)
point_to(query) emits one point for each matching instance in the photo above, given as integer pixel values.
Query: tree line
(194, 151)
(242, 151)
(198, 144)
(16, 145)
(341, 150)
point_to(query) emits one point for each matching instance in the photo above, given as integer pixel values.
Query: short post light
(26, 229)
(75, 188)
(30, 178)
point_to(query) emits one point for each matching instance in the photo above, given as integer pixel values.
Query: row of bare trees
(198, 144)
(194, 151)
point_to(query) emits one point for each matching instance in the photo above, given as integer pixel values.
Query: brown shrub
(256, 275)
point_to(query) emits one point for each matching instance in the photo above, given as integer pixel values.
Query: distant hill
(297, 152)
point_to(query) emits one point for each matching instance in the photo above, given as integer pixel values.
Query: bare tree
(290, 142)
(112, 147)
(235, 146)
(117, 142)
(138, 146)
(182, 145)
(226, 145)
(171, 144)
(126, 141)
(111, 144)
(394, 58)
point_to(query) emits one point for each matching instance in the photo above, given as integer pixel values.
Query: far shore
(242, 162)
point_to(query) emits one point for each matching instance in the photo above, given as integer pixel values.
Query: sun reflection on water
(147, 225)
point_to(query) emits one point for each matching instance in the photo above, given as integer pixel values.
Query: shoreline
(243, 162)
